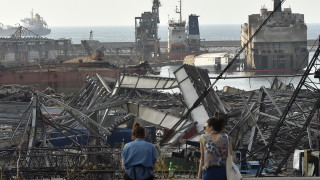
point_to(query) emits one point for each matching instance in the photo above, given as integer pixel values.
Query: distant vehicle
(36, 26)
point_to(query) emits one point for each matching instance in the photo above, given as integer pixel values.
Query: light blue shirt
(139, 156)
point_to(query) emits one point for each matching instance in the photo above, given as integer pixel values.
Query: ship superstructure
(281, 44)
(183, 40)
(177, 37)
(193, 33)
(34, 24)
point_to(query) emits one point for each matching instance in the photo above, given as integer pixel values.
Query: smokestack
(193, 25)
(275, 4)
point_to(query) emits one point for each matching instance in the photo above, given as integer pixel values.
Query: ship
(281, 45)
(35, 25)
(182, 40)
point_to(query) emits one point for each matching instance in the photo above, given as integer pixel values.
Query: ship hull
(40, 32)
(62, 78)
(10, 32)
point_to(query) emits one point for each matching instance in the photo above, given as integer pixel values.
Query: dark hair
(218, 122)
(138, 131)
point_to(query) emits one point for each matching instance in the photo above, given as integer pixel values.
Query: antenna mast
(179, 11)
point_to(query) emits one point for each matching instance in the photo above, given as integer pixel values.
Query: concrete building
(281, 44)
(17, 51)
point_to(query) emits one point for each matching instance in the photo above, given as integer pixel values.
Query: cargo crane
(147, 44)
(22, 31)
(87, 47)
(95, 55)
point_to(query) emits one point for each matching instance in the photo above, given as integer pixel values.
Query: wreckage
(55, 137)
(270, 122)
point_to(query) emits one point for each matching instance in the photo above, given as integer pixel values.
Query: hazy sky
(122, 12)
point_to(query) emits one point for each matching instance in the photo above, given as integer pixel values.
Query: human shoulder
(128, 145)
(203, 137)
(150, 145)
(225, 135)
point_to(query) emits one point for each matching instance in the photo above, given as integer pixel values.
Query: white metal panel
(200, 115)
(190, 95)
(170, 121)
(162, 84)
(186, 87)
(132, 108)
(147, 83)
(175, 138)
(151, 115)
(144, 82)
(128, 81)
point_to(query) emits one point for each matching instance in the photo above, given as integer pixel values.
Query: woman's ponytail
(138, 131)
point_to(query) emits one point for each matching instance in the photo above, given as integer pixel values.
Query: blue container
(119, 136)
(150, 134)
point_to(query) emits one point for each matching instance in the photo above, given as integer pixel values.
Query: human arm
(201, 162)
(229, 146)
(122, 163)
(154, 155)
(123, 157)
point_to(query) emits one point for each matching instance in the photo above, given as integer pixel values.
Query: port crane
(22, 31)
(87, 47)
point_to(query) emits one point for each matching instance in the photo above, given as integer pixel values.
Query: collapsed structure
(57, 137)
(269, 123)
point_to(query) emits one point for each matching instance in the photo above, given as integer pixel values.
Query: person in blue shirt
(138, 156)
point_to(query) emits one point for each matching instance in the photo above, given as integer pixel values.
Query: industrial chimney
(275, 4)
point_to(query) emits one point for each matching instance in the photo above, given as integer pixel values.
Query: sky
(122, 12)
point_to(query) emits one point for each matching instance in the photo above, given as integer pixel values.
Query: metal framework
(147, 43)
(306, 111)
